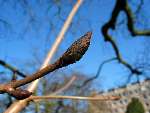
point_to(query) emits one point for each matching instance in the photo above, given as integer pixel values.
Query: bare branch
(139, 7)
(91, 98)
(13, 69)
(65, 87)
(122, 5)
(98, 72)
(130, 24)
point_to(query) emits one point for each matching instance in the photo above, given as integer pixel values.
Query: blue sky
(31, 30)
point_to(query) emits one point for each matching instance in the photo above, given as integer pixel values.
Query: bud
(75, 51)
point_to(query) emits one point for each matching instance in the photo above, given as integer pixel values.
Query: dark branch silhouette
(13, 69)
(98, 72)
(122, 5)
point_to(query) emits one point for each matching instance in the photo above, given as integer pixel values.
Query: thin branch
(130, 24)
(91, 98)
(13, 69)
(122, 5)
(139, 7)
(98, 72)
(5, 23)
(66, 86)
(14, 77)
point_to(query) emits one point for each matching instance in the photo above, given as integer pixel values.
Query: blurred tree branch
(122, 5)
(94, 98)
(98, 72)
(13, 69)
(66, 86)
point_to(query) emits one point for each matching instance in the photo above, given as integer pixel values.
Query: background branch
(13, 69)
(66, 86)
(94, 98)
(130, 23)
(98, 72)
(122, 5)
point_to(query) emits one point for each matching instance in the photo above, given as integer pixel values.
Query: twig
(91, 98)
(13, 69)
(98, 72)
(65, 87)
(130, 23)
(139, 7)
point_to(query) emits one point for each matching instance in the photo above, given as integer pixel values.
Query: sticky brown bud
(75, 51)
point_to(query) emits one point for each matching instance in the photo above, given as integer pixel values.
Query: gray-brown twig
(91, 98)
